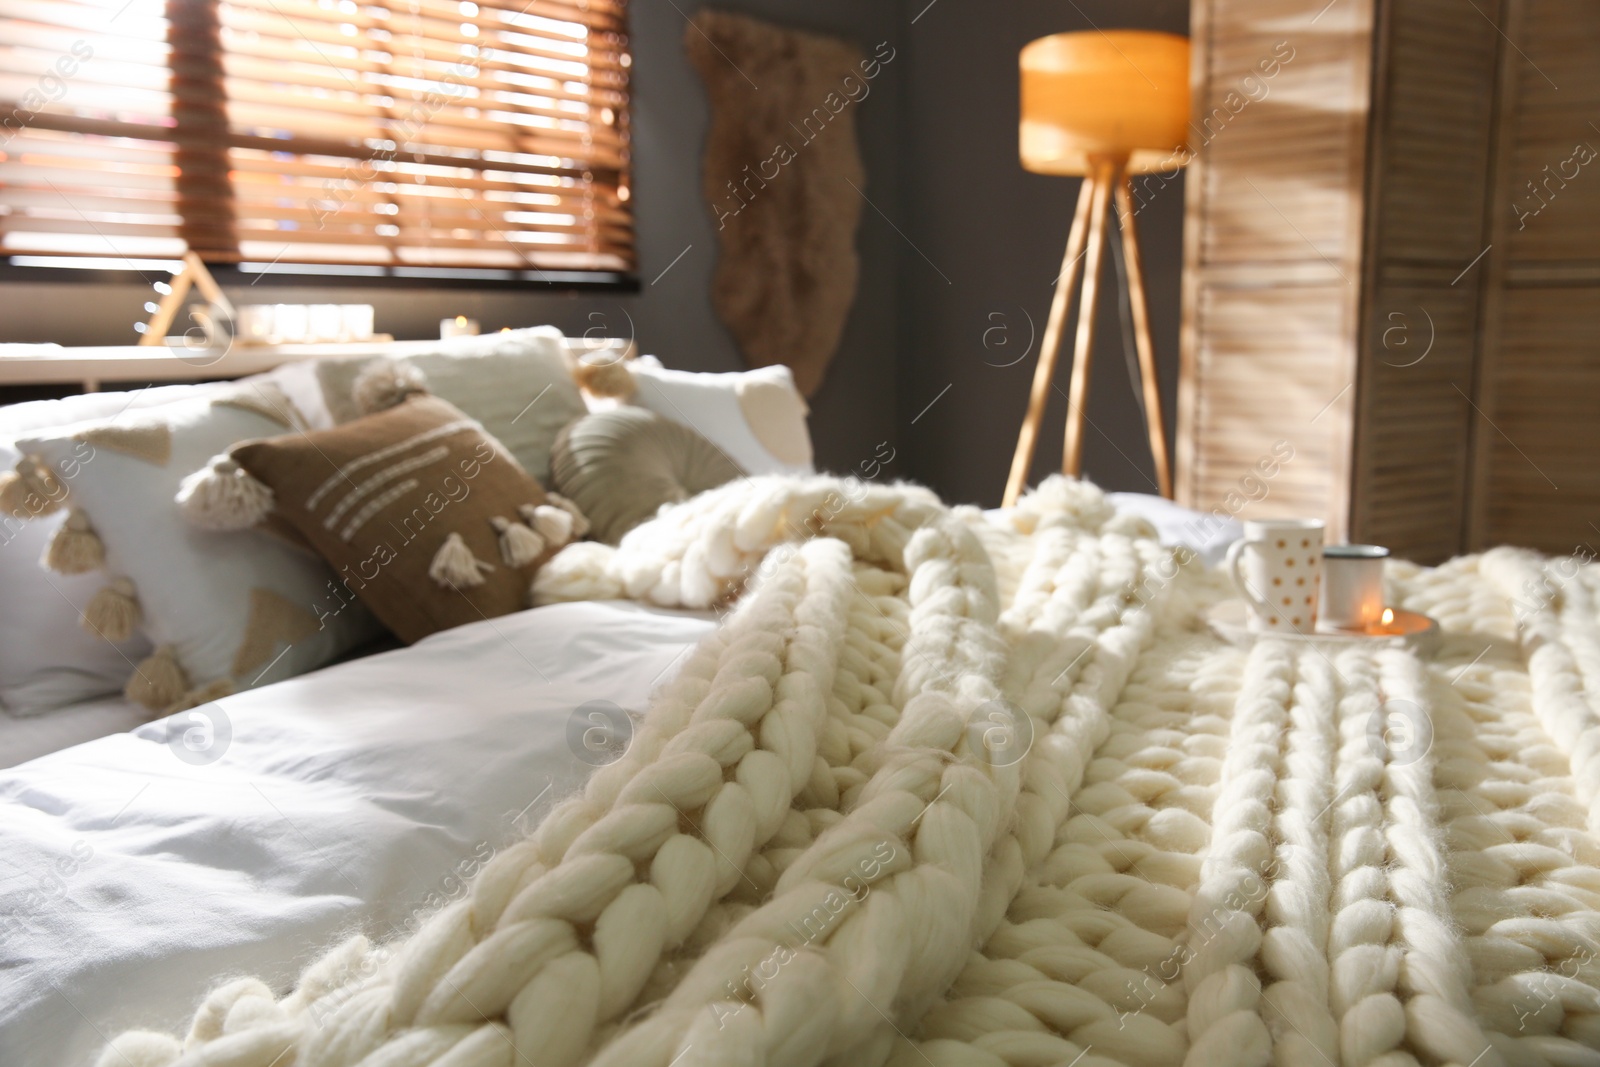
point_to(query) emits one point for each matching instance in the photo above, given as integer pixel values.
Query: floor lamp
(1105, 105)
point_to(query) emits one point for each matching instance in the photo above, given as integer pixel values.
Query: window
(477, 138)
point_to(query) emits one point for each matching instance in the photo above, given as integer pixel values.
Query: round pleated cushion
(620, 466)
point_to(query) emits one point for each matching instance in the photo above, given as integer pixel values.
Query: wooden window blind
(430, 134)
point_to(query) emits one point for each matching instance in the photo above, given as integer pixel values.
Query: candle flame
(1388, 616)
(461, 320)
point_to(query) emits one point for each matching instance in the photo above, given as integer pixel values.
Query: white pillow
(518, 384)
(1209, 535)
(300, 383)
(47, 658)
(226, 611)
(578, 348)
(757, 417)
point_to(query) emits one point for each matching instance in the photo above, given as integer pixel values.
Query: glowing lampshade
(1115, 94)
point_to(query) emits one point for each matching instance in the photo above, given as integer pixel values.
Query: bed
(801, 769)
(944, 786)
(246, 837)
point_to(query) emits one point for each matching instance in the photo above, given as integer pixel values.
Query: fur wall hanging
(781, 157)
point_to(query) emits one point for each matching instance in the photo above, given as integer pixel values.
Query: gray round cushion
(620, 466)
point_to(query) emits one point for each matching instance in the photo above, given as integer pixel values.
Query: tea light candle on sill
(291, 323)
(325, 322)
(357, 322)
(460, 326)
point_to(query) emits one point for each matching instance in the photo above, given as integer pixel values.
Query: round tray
(1230, 620)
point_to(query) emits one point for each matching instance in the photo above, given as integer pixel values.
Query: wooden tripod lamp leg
(1050, 350)
(1154, 424)
(1105, 175)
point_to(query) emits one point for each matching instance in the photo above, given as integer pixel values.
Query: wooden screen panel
(1430, 166)
(1543, 485)
(1412, 453)
(1269, 368)
(1550, 200)
(1433, 128)
(1472, 218)
(1273, 251)
(1265, 203)
(1534, 482)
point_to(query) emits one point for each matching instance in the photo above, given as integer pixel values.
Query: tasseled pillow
(424, 517)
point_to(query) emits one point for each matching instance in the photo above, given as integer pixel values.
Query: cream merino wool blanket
(944, 790)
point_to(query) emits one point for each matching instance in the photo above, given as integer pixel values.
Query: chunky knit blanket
(946, 790)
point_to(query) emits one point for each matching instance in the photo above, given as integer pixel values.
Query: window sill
(266, 275)
(52, 365)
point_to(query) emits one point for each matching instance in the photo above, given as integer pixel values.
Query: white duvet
(138, 867)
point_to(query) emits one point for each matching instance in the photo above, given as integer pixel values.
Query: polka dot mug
(1276, 568)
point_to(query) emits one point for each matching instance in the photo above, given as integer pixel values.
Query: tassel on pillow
(157, 681)
(385, 383)
(519, 546)
(580, 523)
(455, 567)
(224, 496)
(113, 612)
(13, 494)
(31, 490)
(605, 374)
(552, 524)
(75, 548)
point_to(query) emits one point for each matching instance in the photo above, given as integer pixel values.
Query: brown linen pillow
(419, 511)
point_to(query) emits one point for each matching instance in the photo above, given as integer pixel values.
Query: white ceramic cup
(1276, 569)
(1352, 585)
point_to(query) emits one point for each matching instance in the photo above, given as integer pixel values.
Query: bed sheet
(247, 836)
(23, 738)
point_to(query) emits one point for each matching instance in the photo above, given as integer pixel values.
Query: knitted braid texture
(958, 792)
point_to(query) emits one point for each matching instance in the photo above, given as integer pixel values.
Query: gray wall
(672, 318)
(964, 235)
(855, 408)
(995, 235)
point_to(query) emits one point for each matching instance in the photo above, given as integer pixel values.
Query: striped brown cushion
(381, 497)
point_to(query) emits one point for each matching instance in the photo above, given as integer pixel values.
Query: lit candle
(1386, 623)
(460, 326)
